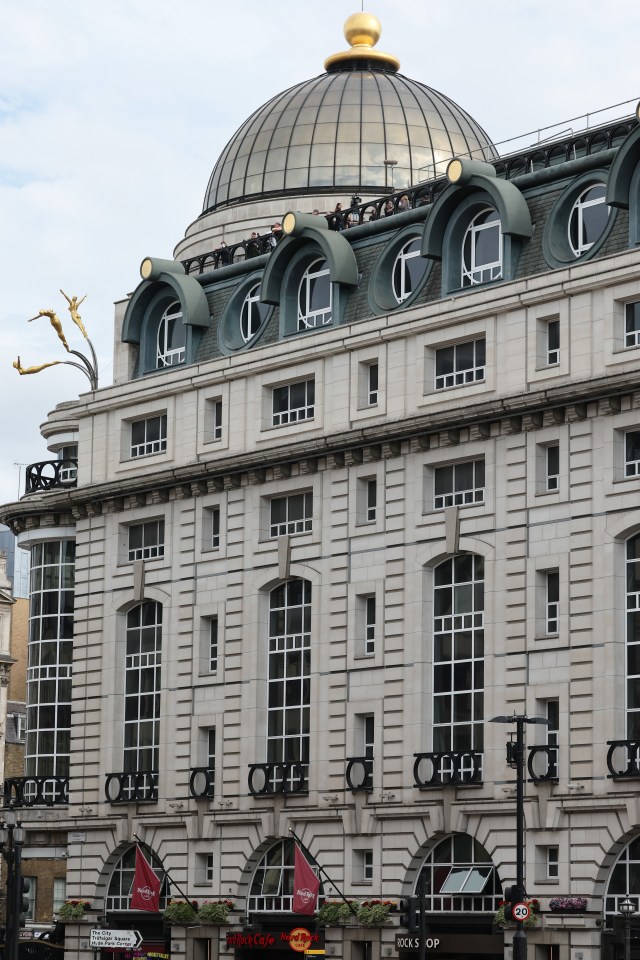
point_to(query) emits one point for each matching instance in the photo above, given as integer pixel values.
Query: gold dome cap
(362, 31)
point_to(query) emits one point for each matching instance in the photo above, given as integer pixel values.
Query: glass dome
(361, 126)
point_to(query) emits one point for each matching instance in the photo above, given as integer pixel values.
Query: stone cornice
(499, 416)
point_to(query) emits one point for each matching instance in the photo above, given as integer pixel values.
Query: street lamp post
(626, 909)
(518, 759)
(11, 841)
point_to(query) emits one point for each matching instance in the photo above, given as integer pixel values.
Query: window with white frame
(293, 402)
(289, 673)
(633, 637)
(142, 687)
(30, 897)
(69, 456)
(552, 467)
(216, 419)
(482, 249)
(460, 364)
(408, 270)
(363, 866)
(458, 483)
(372, 384)
(291, 514)
(367, 500)
(204, 868)
(632, 453)
(551, 600)
(588, 219)
(315, 296)
(458, 874)
(171, 342)
(148, 436)
(146, 540)
(59, 892)
(212, 644)
(210, 734)
(214, 519)
(458, 654)
(552, 342)
(253, 313)
(632, 324)
(552, 710)
(369, 610)
(553, 862)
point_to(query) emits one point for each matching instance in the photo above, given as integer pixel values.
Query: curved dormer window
(171, 340)
(253, 313)
(588, 219)
(408, 270)
(315, 301)
(482, 249)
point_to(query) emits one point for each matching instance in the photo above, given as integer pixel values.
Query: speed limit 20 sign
(520, 911)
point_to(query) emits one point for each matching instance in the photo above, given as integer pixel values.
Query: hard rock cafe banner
(299, 940)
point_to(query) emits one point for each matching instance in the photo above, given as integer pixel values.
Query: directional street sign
(520, 911)
(114, 939)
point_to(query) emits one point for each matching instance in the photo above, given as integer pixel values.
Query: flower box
(215, 911)
(181, 912)
(568, 904)
(74, 909)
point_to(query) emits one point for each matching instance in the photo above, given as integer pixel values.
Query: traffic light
(409, 913)
(512, 895)
(23, 901)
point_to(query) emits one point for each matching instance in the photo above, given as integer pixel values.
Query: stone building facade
(352, 495)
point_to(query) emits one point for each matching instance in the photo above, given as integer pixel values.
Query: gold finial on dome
(362, 31)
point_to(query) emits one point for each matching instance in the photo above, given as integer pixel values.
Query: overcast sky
(112, 116)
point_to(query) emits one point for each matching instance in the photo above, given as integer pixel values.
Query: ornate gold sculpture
(88, 367)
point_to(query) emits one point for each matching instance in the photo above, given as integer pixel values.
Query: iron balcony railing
(447, 768)
(202, 782)
(36, 791)
(51, 475)
(279, 777)
(140, 786)
(623, 759)
(359, 774)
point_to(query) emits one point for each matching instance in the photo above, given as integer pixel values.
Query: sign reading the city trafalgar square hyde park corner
(299, 940)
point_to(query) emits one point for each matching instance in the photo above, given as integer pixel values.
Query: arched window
(171, 337)
(624, 879)
(121, 882)
(142, 687)
(315, 296)
(633, 637)
(408, 270)
(482, 249)
(459, 876)
(458, 654)
(272, 884)
(253, 313)
(588, 219)
(289, 672)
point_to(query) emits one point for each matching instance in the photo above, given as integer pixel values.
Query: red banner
(145, 892)
(305, 885)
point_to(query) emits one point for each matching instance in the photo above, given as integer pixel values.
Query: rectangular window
(460, 364)
(216, 420)
(553, 734)
(553, 863)
(215, 527)
(30, 898)
(632, 453)
(369, 624)
(291, 514)
(372, 384)
(372, 499)
(293, 402)
(210, 759)
(213, 645)
(204, 868)
(146, 540)
(458, 483)
(363, 866)
(632, 324)
(552, 601)
(553, 342)
(148, 436)
(552, 472)
(59, 892)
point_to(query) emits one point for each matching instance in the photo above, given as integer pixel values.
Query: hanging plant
(181, 911)
(73, 909)
(215, 911)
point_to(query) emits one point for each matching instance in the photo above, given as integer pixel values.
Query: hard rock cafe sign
(299, 940)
